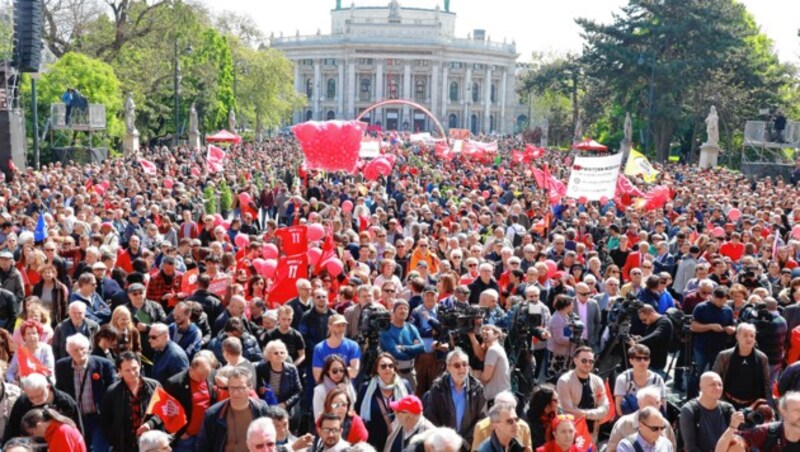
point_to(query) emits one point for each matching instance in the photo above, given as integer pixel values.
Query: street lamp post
(641, 61)
(176, 87)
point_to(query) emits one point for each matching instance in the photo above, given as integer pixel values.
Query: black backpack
(727, 412)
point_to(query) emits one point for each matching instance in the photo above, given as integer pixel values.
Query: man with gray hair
(456, 399)
(168, 357)
(261, 435)
(649, 436)
(484, 281)
(154, 440)
(86, 378)
(628, 425)
(484, 428)
(36, 393)
(505, 429)
(76, 323)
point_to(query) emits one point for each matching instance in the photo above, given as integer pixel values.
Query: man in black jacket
(215, 430)
(484, 281)
(77, 323)
(195, 390)
(86, 378)
(9, 310)
(657, 337)
(211, 304)
(125, 403)
(37, 392)
(440, 408)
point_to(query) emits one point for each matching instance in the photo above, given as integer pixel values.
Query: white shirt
(662, 445)
(583, 309)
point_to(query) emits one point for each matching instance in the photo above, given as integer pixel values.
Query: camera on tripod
(527, 323)
(460, 320)
(681, 324)
(623, 310)
(576, 327)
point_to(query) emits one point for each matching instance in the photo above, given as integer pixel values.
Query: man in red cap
(410, 423)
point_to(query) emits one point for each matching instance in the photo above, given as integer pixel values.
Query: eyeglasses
(238, 388)
(336, 405)
(654, 428)
(389, 290)
(583, 294)
(641, 358)
(472, 265)
(321, 297)
(587, 361)
(153, 336)
(511, 420)
(329, 431)
(460, 365)
(385, 366)
(337, 370)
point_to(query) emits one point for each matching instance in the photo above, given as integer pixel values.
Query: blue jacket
(96, 308)
(169, 362)
(405, 336)
(190, 342)
(214, 431)
(290, 388)
(99, 371)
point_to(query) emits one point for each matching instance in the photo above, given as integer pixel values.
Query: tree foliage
(694, 54)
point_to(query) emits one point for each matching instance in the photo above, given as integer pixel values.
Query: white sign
(594, 177)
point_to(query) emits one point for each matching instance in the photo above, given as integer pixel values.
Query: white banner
(594, 177)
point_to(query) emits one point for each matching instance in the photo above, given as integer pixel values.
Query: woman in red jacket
(58, 431)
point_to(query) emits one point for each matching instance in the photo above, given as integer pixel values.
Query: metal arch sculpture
(410, 104)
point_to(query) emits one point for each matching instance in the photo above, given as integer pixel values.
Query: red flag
(148, 167)
(189, 281)
(583, 437)
(168, 409)
(215, 159)
(533, 151)
(612, 408)
(29, 364)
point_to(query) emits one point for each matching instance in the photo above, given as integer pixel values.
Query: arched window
(473, 127)
(452, 122)
(492, 124)
(419, 89)
(476, 92)
(309, 88)
(309, 115)
(331, 93)
(331, 115)
(494, 93)
(453, 91)
(366, 89)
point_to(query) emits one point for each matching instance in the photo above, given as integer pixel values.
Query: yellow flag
(639, 165)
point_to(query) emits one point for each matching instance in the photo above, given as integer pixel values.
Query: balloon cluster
(330, 145)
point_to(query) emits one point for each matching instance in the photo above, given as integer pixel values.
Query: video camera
(373, 322)
(681, 324)
(526, 324)
(460, 320)
(576, 327)
(622, 311)
(759, 316)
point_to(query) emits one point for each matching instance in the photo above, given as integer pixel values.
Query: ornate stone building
(393, 52)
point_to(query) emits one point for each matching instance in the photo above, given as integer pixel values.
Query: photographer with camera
(356, 314)
(778, 436)
(712, 324)
(425, 318)
(744, 369)
(657, 337)
(771, 334)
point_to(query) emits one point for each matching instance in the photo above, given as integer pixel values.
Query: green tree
(670, 60)
(94, 79)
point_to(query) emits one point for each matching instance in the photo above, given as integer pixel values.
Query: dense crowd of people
(451, 305)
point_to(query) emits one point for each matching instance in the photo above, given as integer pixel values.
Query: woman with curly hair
(31, 331)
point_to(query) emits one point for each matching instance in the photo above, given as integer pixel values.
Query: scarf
(331, 385)
(397, 387)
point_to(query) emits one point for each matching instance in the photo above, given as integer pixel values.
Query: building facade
(393, 52)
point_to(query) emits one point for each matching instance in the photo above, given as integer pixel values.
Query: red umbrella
(223, 136)
(589, 144)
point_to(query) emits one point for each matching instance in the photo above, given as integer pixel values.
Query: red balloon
(552, 268)
(241, 240)
(315, 232)
(330, 145)
(268, 268)
(313, 256)
(347, 206)
(226, 224)
(604, 200)
(718, 231)
(258, 264)
(168, 183)
(583, 200)
(269, 251)
(334, 266)
(486, 194)
(217, 219)
(244, 198)
(734, 214)
(107, 184)
(99, 189)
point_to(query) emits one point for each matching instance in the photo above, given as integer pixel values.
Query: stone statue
(193, 127)
(578, 130)
(712, 127)
(628, 129)
(338, 4)
(130, 115)
(394, 10)
(232, 120)
(447, 6)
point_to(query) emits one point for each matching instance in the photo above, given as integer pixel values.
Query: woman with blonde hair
(128, 338)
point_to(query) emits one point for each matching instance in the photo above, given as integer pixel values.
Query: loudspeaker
(27, 35)
(12, 141)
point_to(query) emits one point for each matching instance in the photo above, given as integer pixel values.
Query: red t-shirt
(201, 401)
(294, 240)
(289, 270)
(63, 437)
